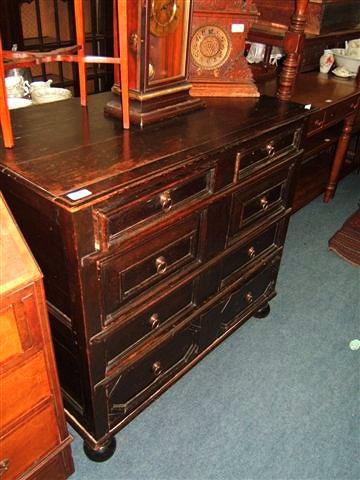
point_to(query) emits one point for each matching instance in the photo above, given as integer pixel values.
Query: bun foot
(263, 311)
(101, 454)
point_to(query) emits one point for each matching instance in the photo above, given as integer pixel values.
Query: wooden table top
(317, 89)
(61, 147)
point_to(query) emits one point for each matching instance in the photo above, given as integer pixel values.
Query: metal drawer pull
(264, 203)
(165, 201)
(154, 321)
(161, 265)
(353, 105)
(4, 466)
(270, 149)
(249, 297)
(318, 123)
(156, 368)
(251, 252)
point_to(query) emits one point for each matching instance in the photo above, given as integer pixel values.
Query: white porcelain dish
(47, 95)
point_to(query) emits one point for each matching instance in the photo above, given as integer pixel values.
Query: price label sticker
(78, 194)
(237, 28)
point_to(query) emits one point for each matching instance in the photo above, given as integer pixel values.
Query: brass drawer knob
(264, 202)
(154, 321)
(161, 265)
(270, 149)
(166, 201)
(249, 297)
(251, 252)
(4, 466)
(156, 368)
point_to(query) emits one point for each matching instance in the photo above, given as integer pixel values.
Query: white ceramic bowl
(350, 63)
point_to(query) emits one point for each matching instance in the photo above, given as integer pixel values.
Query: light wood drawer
(22, 447)
(15, 401)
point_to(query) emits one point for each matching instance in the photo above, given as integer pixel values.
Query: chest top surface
(61, 148)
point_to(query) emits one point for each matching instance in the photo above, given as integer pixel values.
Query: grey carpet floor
(279, 398)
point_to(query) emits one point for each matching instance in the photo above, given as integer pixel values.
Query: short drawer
(118, 216)
(337, 112)
(128, 273)
(262, 244)
(139, 381)
(25, 446)
(237, 306)
(254, 292)
(131, 331)
(254, 204)
(316, 122)
(238, 161)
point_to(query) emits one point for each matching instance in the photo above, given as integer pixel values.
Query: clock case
(151, 102)
(233, 78)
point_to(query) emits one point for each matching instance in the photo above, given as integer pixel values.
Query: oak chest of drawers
(34, 442)
(155, 244)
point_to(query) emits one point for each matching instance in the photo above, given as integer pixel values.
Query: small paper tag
(84, 192)
(308, 106)
(237, 27)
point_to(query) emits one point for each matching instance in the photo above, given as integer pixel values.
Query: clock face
(164, 16)
(210, 47)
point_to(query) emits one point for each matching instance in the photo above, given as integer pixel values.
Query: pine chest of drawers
(155, 244)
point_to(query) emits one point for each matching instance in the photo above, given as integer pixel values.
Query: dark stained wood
(180, 218)
(34, 438)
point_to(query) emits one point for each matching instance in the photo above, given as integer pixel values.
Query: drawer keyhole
(154, 321)
(251, 252)
(161, 265)
(156, 368)
(166, 201)
(264, 202)
(249, 297)
(4, 466)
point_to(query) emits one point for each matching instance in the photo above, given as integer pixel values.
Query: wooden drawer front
(259, 201)
(238, 161)
(29, 443)
(256, 290)
(337, 112)
(111, 220)
(265, 242)
(158, 314)
(15, 401)
(316, 122)
(268, 149)
(143, 378)
(20, 331)
(124, 275)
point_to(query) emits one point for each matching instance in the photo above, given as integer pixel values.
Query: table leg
(339, 157)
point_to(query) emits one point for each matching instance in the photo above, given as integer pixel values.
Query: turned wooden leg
(339, 157)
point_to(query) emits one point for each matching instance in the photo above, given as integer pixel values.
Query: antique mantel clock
(158, 61)
(217, 63)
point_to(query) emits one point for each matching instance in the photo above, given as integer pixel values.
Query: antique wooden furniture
(158, 62)
(34, 442)
(335, 103)
(16, 59)
(303, 49)
(322, 16)
(156, 243)
(217, 63)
